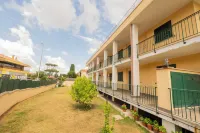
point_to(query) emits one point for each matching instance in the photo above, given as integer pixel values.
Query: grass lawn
(55, 112)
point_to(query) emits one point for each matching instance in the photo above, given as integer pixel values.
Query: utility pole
(40, 60)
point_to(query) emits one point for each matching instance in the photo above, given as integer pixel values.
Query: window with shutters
(163, 32)
(120, 76)
(120, 54)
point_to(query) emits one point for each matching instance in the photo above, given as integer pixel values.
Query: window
(120, 54)
(120, 76)
(163, 32)
(129, 51)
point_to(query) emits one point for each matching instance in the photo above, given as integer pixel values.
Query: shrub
(83, 91)
(155, 122)
(162, 129)
(156, 126)
(124, 107)
(148, 121)
(141, 118)
(135, 113)
(107, 128)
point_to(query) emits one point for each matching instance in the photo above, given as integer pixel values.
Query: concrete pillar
(114, 68)
(113, 99)
(105, 57)
(97, 78)
(135, 62)
(170, 127)
(105, 79)
(98, 60)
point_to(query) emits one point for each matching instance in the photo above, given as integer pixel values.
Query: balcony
(122, 54)
(181, 31)
(108, 62)
(12, 67)
(99, 66)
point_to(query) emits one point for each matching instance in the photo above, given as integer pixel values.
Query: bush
(162, 129)
(124, 107)
(148, 121)
(107, 128)
(135, 113)
(83, 91)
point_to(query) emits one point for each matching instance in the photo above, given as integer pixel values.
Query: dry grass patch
(55, 112)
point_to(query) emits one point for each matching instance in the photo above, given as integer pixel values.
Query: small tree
(83, 91)
(107, 128)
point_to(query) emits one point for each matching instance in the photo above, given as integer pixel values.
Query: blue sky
(71, 30)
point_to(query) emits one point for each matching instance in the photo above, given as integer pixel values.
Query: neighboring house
(12, 67)
(152, 62)
(82, 73)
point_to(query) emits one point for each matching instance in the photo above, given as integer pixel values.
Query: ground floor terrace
(146, 100)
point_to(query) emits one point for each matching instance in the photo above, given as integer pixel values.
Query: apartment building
(12, 67)
(152, 62)
(82, 73)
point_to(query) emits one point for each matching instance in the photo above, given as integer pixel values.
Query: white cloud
(93, 43)
(22, 47)
(64, 53)
(48, 49)
(90, 16)
(53, 15)
(92, 50)
(62, 66)
(114, 10)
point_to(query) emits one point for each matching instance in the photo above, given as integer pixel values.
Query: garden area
(56, 111)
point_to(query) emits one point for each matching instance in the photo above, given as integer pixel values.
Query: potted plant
(142, 120)
(150, 124)
(146, 121)
(135, 115)
(124, 108)
(155, 126)
(162, 129)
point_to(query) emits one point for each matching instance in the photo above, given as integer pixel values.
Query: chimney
(13, 56)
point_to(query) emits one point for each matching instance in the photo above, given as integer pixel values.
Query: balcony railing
(108, 61)
(99, 66)
(186, 104)
(146, 95)
(180, 31)
(122, 54)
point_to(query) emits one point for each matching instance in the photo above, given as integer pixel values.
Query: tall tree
(72, 68)
(71, 73)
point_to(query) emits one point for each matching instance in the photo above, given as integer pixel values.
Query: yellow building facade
(12, 67)
(152, 62)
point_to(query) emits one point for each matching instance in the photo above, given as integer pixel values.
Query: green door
(185, 89)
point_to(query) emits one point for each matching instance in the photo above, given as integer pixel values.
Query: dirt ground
(55, 112)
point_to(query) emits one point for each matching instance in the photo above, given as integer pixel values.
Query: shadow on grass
(82, 107)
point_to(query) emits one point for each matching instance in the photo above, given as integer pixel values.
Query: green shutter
(163, 32)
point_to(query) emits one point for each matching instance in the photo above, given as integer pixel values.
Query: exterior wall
(132, 16)
(9, 99)
(175, 17)
(148, 72)
(170, 127)
(125, 77)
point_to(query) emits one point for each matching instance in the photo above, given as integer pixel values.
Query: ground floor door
(185, 89)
